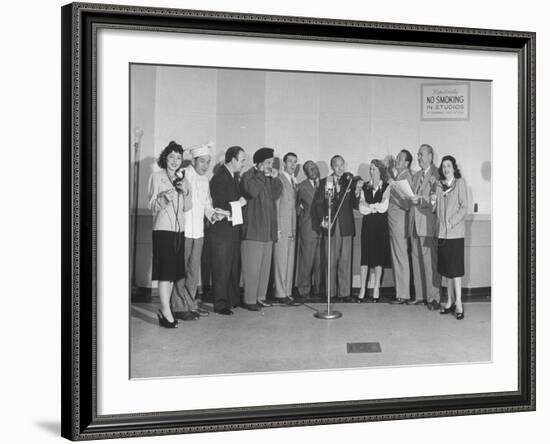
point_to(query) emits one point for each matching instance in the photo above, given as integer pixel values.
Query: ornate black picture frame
(80, 22)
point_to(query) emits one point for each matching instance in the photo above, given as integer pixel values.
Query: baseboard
(476, 294)
(143, 294)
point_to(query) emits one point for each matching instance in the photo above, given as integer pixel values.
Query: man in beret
(261, 189)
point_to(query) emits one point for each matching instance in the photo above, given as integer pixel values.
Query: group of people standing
(261, 220)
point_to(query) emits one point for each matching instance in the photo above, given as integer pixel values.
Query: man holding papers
(225, 235)
(422, 231)
(398, 209)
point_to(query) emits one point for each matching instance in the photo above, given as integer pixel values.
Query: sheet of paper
(404, 187)
(236, 213)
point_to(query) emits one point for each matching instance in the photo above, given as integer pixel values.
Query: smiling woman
(169, 199)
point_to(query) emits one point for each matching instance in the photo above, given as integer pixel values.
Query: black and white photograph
(286, 221)
(274, 222)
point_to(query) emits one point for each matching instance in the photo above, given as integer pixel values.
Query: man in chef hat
(183, 300)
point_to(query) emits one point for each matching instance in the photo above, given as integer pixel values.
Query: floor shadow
(53, 427)
(151, 319)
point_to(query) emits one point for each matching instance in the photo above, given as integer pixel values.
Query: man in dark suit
(225, 236)
(309, 234)
(343, 226)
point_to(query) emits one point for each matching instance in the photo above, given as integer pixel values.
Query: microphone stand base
(327, 315)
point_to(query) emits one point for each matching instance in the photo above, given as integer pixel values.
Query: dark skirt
(168, 256)
(375, 240)
(450, 257)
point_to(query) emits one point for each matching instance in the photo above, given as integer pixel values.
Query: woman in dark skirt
(169, 198)
(451, 205)
(372, 201)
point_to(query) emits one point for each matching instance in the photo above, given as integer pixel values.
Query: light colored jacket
(422, 220)
(451, 207)
(202, 204)
(398, 209)
(167, 216)
(286, 208)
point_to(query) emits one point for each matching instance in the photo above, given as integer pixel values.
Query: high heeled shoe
(459, 316)
(163, 322)
(448, 310)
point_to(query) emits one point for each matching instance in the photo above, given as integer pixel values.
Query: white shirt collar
(289, 177)
(228, 170)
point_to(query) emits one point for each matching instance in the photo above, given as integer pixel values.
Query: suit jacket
(451, 209)
(260, 212)
(286, 208)
(422, 220)
(398, 208)
(224, 189)
(309, 224)
(345, 216)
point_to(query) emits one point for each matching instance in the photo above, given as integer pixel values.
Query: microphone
(329, 190)
(330, 183)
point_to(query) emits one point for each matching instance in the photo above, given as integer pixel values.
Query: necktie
(236, 179)
(422, 179)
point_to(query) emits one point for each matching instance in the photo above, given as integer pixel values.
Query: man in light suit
(398, 223)
(422, 230)
(309, 234)
(285, 246)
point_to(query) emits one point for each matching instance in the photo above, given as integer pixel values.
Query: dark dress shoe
(447, 310)
(163, 322)
(185, 316)
(399, 301)
(200, 312)
(251, 307)
(300, 299)
(224, 311)
(460, 315)
(286, 302)
(433, 305)
(418, 302)
(264, 303)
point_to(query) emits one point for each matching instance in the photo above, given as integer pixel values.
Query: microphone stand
(328, 314)
(138, 134)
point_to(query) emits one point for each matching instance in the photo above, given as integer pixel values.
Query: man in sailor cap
(183, 300)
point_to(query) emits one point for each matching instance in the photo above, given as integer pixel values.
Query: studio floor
(291, 338)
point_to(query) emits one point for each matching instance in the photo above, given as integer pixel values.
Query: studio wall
(316, 116)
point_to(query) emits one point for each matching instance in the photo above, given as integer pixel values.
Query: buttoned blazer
(286, 208)
(422, 220)
(224, 189)
(309, 223)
